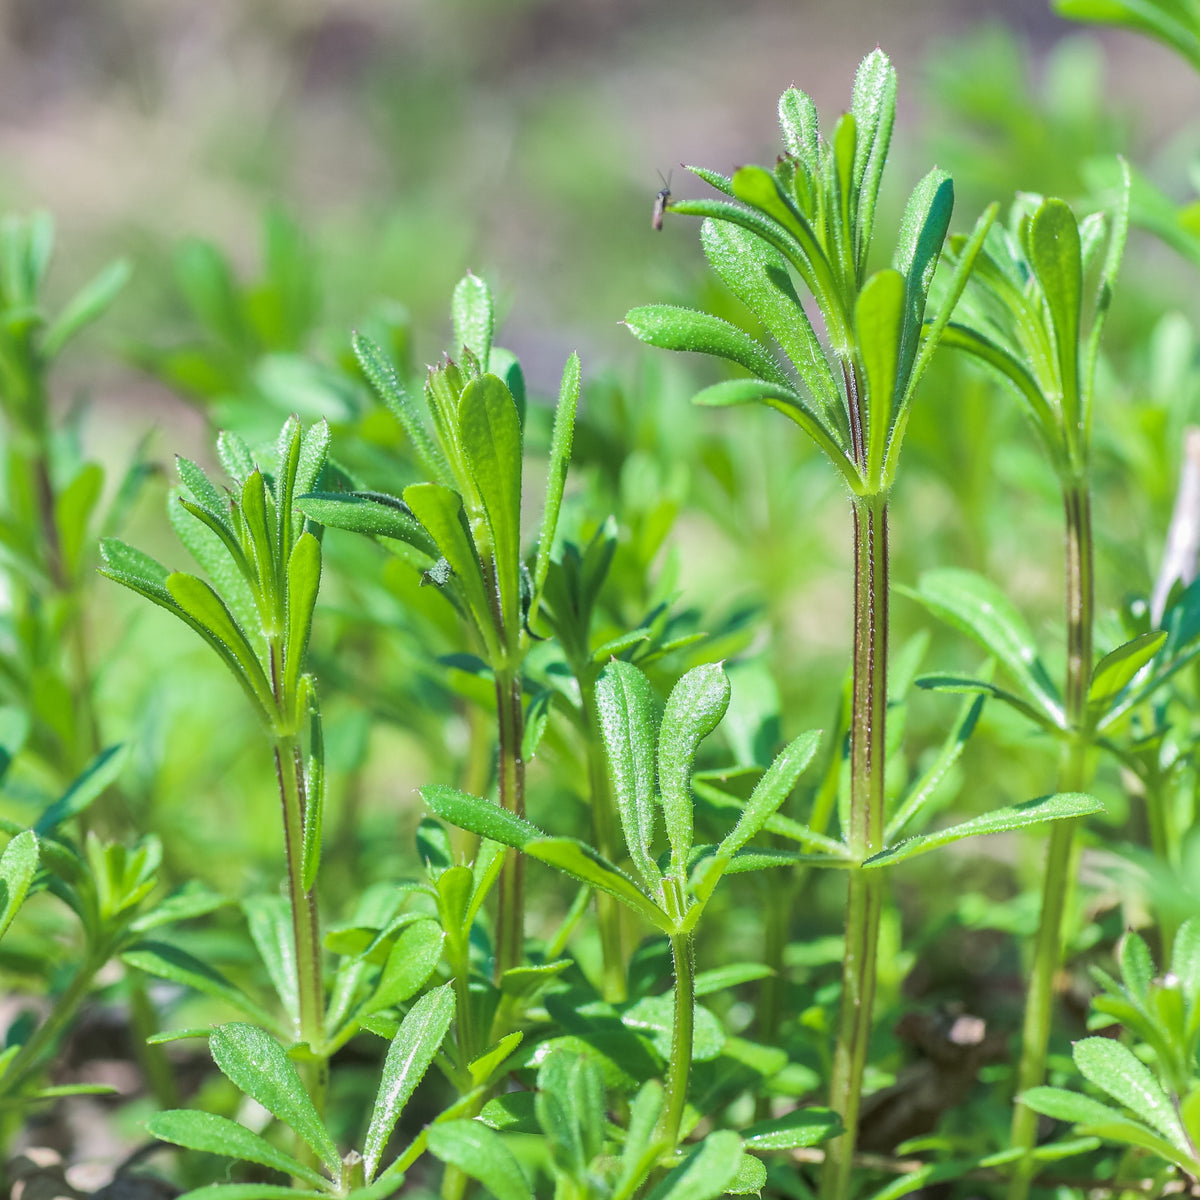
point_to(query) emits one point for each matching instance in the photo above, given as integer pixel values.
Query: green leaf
(304, 579)
(694, 709)
(654, 1017)
(1055, 255)
(216, 1135)
(1115, 671)
(570, 1109)
(257, 1064)
(1115, 1069)
(480, 1152)
(801, 1127)
(372, 513)
(1061, 807)
(758, 275)
(556, 473)
(73, 509)
(408, 1058)
(165, 961)
(1171, 22)
(512, 1112)
(640, 1152)
(922, 234)
(977, 607)
(474, 318)
(253, 1191)
(87, 305)
(483, 817)
(730, 975)
(1094, 1117)
(628, 724)
(18, 866)
(926, 787)
(1137, 967)
(440, 511)
(207, 614)
(783, 399)
(874, 107)
(749, 1179)
(670, 327)
(269, 919)
(490, 433)
(203, 277)
(771, 791)
(485, 1066)
(85, 789)
(801, 133)
(385, 382)
(707, 1171)
(879, 324)
(412, 960)
(588, 866)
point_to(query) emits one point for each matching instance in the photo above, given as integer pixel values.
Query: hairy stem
(865, 888)
(510, 922)
(679, 1071)
(1060, 856)
(289, 770)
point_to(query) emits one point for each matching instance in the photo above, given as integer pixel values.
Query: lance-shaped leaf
(628, 725)
(694, 709)
(1115, 671)
(304, 580)
(922, 234)
(1061, 807)
(479, 816)
(1054, 254)
(801, 1127)
(412, 1050)
(385, 382)
(791, 404)
(374, 513)
(474, 318)
(926, 787)
(556, 474)
(874, 107)
(87, 305)
(480, 1152)
(879, 323)
(260, 1067)
(771, 791)
(977, 607)
(165, 961)
(412, 960)
(1174, 23)
(670, 327)
(207, 613)
(490, 436)
(758, 275)
(570, 1108)
(84, 789)
(707, 1171)
(581, 862)
(269, 919)
(217, 1135)
(801, 133)
(1114, 1068)
(18, 866)
(1091, 1116)
(440, 511)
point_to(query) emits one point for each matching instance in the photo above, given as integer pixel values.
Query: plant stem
(47, 1033)
(679, 1071)
(604, 822)
(1056, 886)
(865, 888)
(510, 921)
(289, 769)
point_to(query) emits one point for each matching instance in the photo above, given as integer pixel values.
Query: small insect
(660, 202)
